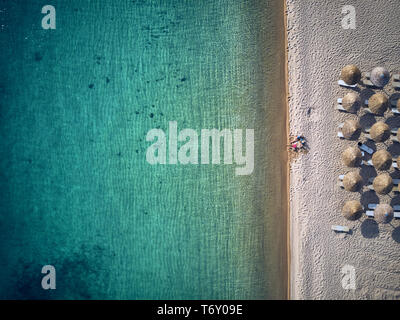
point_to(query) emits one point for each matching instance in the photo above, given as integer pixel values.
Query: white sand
(318, 48)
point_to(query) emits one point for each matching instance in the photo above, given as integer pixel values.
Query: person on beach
(293, 145)
(300, 138)
(298, 144)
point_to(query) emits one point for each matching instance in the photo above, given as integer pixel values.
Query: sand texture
(318, 47)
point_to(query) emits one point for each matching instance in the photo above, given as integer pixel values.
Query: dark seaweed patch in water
(38, 56)
(28, 284)
(78, 276)
(91, 86)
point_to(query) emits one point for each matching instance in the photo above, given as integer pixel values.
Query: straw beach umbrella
(380, 76)
(378, 103)
(351, 157)
(351, 102)
(351, 129)
(398, 105)
(352, 181)
(352, 210)
(380, 132)
(383, 213)
(398, 161)
(350, 74)
(383, 184)
(382, 160)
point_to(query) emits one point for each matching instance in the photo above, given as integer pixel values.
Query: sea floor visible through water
(76, 189)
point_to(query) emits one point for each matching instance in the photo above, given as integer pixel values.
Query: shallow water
(76, 190)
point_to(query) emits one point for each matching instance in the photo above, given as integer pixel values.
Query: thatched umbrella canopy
(351, 129)
(350, 74)
(352, 181)
(378, 103)
(380, 77)
(351, 157)
(352, 210)
(382, 160)
(398, 104)
(380, 132)
(383, 213)
(398, 162)
(383, 183)
(351, 102)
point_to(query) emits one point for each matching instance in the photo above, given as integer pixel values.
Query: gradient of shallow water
(76, 190)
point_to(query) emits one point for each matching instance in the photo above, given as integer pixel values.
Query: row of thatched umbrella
(353, 182)
(353, 210)
(351, 75)
(378, 103)
(381, 160)
(379, 131)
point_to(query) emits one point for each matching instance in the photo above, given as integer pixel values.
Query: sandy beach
(318, 48)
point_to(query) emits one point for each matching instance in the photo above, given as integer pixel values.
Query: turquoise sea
(76, 191)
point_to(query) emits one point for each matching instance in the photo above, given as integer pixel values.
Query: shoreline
(280, 206)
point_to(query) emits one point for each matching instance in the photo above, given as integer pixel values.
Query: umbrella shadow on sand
(366, 173)
(368, 197)
(396, 234)
(369, 228)
(366, 93)
(367, 120)
(370, 144)
(395, 201)
(394, 149)
(396, 230)
(393, 121)
(394, 97)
